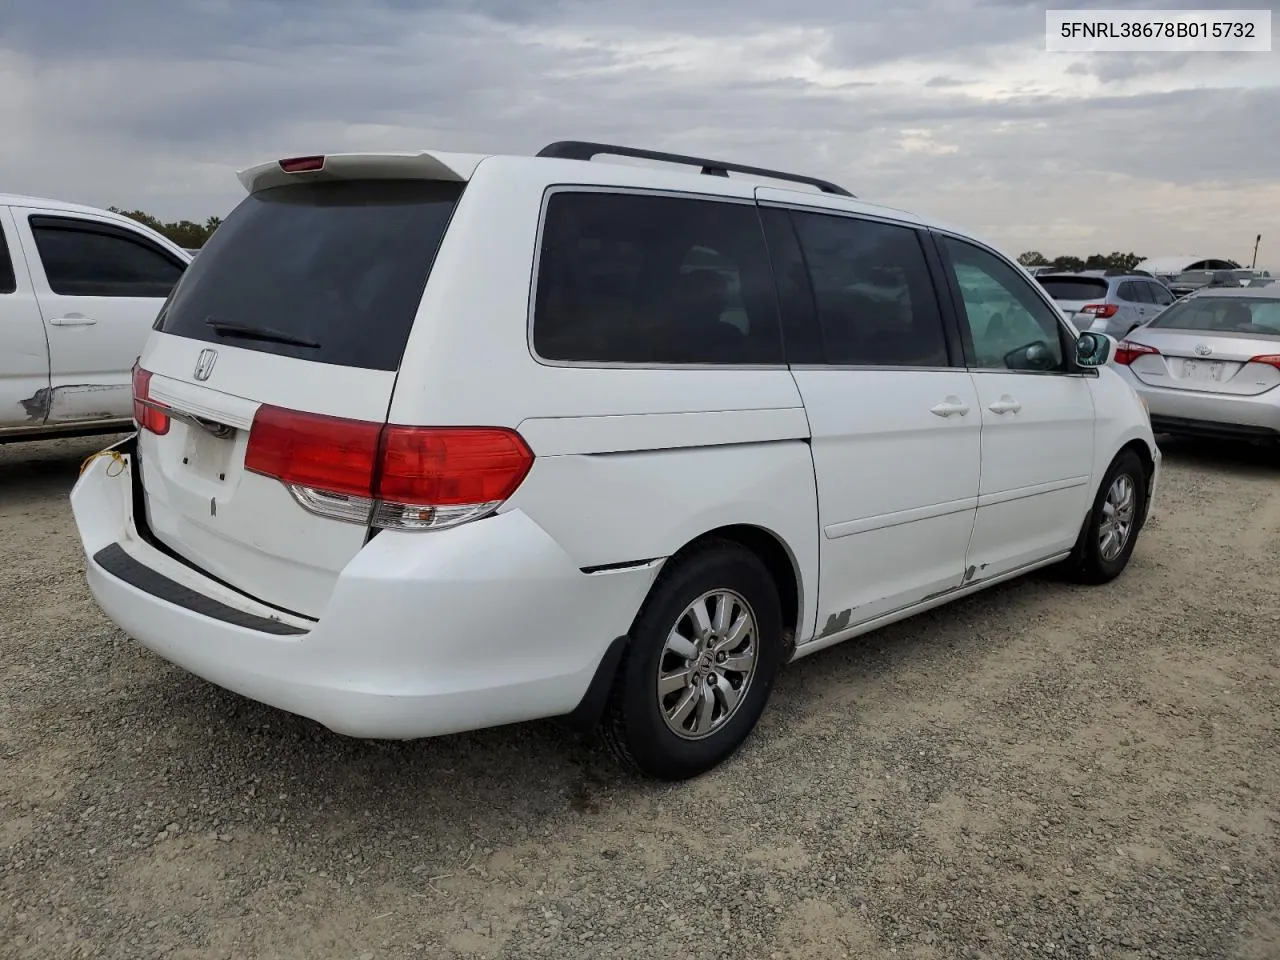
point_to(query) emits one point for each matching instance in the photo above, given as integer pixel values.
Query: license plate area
(1202, 371)
(208, 451)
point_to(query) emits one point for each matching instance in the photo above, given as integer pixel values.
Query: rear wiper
(227, 328)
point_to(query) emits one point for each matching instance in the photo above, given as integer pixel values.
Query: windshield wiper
(227, 328)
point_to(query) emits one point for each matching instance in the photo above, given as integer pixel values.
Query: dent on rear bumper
(425, 634)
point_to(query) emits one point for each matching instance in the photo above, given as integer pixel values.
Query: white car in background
(1209, 366)
(79, 291)
(432, 442)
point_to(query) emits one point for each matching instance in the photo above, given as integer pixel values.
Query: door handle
(72, 320)
(950, 407)
(1005, 404)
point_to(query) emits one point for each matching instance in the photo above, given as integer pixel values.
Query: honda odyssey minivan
(429, 442)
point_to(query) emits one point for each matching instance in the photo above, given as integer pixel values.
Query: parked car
(1107, 303)
(1210, 364)
(79, 291)
(431, 442)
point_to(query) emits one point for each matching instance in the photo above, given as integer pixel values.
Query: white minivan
(430, 442)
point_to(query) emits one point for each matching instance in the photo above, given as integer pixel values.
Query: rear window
(329, 272)
(1074, 288)
(631, 278)
(1256, 316)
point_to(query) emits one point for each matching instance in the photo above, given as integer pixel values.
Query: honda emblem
(204, 364)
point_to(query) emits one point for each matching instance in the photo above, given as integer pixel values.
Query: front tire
(1110, 534)
(704, 652)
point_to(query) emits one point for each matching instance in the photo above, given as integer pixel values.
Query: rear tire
(704, 652)
(1110, 534)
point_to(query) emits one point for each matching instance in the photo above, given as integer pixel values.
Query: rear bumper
(425, 634)
(1194, 413)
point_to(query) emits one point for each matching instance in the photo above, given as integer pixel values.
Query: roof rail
(585, 150)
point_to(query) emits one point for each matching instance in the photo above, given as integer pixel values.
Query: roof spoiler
(426, 165)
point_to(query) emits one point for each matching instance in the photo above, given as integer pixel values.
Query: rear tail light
(1270, 359)
(1127, 351)
(1100, 310)
(147, 413)
(396, 477)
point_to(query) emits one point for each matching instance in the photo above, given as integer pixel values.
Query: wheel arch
(1147, 457)
(783, 567)
(777, 558)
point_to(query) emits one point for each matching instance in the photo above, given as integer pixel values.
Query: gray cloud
(947, 108)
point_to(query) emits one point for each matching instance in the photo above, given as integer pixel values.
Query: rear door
(295, 316)
(1161, 298)
(1136, 306)
(24, 354)
(895, 425)
(1037, 415)
(99, 285)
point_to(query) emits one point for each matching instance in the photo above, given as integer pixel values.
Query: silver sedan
(1210, 364)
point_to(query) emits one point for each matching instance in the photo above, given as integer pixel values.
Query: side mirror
(1034, 356)
(1094, 349)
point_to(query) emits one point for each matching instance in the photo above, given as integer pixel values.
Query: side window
(1159, 294)
(800, 330)
(1011, 327)
(81, 260)
(1141, 291)
(633, 278)
(8, 280)
(875, 300)
(1128, 292)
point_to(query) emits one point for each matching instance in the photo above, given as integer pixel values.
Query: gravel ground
(1042, 771)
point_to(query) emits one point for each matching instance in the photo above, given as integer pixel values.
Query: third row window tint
(625, 278)
(875, 300)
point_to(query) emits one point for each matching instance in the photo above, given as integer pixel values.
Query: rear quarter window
(329, 272)
(645, 279)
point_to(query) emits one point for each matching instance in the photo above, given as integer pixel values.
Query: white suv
(431, 442)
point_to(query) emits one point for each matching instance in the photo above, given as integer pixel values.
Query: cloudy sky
(952, 109)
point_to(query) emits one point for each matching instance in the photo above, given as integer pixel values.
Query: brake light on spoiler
(392, 476)
(302, 164)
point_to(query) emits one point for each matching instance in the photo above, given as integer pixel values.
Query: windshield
(1253, 315)
(1074, 288)
(331, 272)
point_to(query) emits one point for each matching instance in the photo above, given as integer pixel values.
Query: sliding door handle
(950, 407)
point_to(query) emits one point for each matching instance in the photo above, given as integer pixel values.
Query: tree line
(185, 233)
(1095, 261)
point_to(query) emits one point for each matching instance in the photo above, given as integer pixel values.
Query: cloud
(946, 108)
